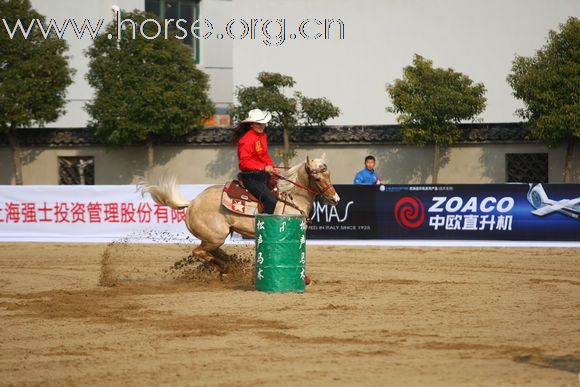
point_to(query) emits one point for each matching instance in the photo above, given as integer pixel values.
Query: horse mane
(292, 174)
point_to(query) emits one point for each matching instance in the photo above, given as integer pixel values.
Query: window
(526, 167)
(178, 9)
(76, 170)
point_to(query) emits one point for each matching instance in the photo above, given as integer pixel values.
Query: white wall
(476, 37)
(216, 57)
(396, 164)
(80, 91)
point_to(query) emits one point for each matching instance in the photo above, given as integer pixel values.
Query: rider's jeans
(257, 183)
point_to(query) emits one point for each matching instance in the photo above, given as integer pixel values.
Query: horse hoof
(220, 265)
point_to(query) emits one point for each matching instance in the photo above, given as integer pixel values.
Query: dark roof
(347, 135)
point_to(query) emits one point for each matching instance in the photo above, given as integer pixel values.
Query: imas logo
(326, 213)
(409, 212)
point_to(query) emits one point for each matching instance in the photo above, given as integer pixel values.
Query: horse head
(319, 180)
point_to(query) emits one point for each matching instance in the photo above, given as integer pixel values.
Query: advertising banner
(517, 212)
(98, 213)
(475, 212)
(513, 212)
(355, 217)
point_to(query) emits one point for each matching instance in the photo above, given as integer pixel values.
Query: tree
(287, 112)
(144, 87)
(431, 102)
(34, 75)
(548, 83)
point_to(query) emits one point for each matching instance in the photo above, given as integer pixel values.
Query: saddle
(236, 198)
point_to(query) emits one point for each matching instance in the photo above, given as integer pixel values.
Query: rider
(254, 161)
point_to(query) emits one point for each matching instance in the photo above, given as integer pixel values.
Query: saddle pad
(237, 199)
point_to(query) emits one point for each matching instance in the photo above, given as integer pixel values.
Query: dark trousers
(257, 183)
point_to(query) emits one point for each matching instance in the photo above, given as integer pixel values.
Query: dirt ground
(372, 316)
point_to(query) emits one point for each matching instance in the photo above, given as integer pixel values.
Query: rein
(308, 189)
(313, 192)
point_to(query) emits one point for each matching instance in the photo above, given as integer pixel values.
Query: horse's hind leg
(208, 223)
(203, 251)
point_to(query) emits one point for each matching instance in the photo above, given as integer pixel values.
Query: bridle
(310, 172)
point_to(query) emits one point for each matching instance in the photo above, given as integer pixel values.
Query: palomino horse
(209, 221)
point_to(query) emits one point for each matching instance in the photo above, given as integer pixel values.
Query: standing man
(367, 175)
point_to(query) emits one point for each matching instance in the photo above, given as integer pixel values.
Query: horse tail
(163, 189)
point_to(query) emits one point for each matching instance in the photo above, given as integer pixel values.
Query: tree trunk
(568, 173)
(436, 162)
(16, 156)
(286, 147)
(150, 152)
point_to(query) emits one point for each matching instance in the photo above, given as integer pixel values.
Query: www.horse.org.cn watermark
(271, 32)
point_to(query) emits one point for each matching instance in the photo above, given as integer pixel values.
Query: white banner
(84, 213)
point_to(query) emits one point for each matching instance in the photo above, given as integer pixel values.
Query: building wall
(396, 164)
(216, 57)
(405, 164)
(79, 92)
(479, 38)
(5, 166)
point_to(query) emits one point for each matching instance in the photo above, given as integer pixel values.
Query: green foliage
(430, 102)
(287, 112)
(549, 85)
(144, 87)
(34, 72)
(315, 111)
(275, 80)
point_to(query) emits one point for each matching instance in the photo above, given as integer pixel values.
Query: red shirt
(253, 151)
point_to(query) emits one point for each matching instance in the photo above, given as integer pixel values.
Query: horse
(211, 223)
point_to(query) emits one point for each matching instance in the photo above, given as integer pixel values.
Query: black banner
(353, 218)
(516, 212)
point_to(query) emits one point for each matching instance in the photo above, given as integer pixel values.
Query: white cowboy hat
(256, 115)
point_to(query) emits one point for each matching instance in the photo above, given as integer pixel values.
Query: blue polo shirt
(366, 177)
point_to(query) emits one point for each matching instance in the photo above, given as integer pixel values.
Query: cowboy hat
(256, 115)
